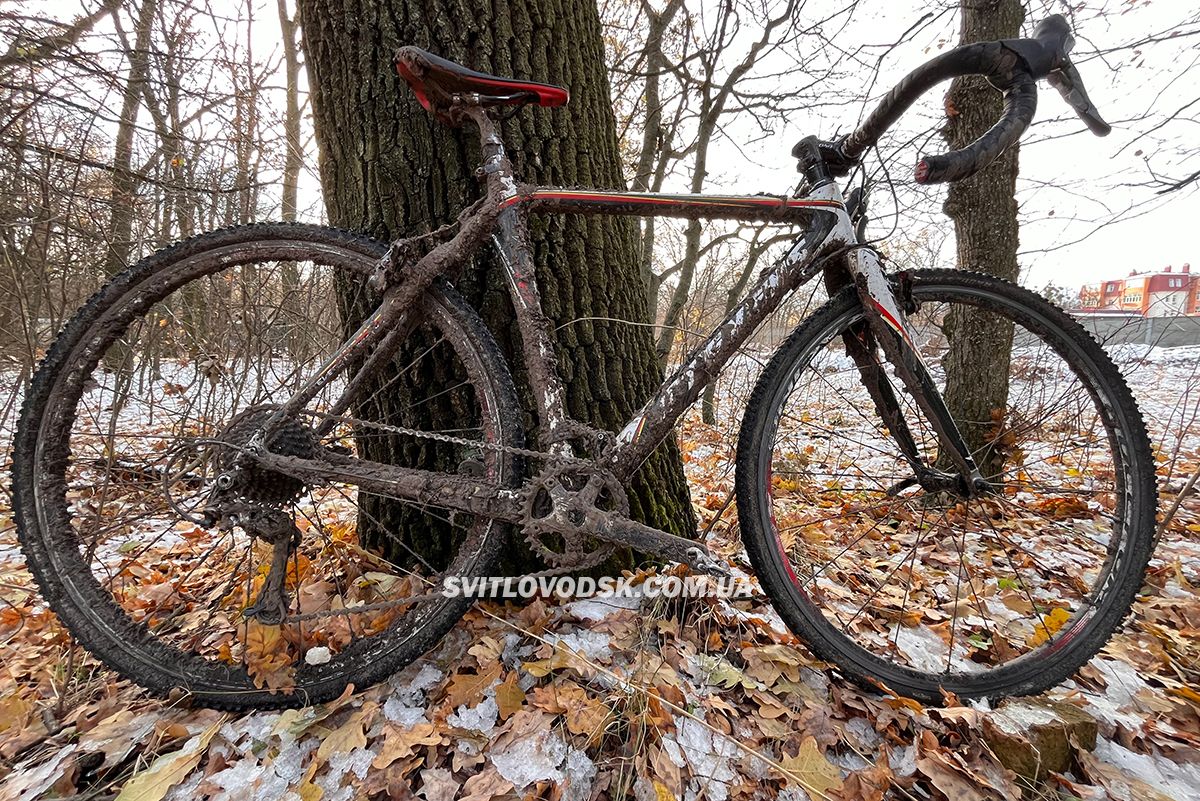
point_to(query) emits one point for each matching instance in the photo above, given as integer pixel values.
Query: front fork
(887, 326)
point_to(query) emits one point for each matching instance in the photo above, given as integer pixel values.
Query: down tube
(655, 421)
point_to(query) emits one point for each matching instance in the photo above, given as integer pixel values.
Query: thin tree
(984, 211)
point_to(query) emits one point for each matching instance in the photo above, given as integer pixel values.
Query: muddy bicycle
(205, 509)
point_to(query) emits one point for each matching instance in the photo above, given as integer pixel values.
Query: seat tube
(512, 244)
(511, 239)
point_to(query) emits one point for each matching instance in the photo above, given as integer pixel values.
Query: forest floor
(600, 699)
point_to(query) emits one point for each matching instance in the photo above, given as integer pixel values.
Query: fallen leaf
(267, 658)
(14, 711)
(399, 743)
(344, 738)
(169, 769)
(811, 770)
(509, 696)
(438, 784)
(487, 650)
(310, 792)
(485, 786)
(468, 688)
(948, 777)
(1050, 624)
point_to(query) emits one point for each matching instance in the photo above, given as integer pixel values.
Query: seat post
(496, 167)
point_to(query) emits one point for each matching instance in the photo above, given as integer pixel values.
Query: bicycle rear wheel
(925, 591)
(162, 376)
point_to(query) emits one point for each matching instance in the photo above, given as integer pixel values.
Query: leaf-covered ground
(705, 699)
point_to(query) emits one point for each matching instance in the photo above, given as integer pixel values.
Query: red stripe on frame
(893, 323)
(665, 200)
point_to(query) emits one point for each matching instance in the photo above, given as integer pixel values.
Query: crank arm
(623, 531)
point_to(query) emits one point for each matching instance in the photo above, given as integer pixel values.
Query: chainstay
(382, 606)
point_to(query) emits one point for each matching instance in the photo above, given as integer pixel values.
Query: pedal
(699, 560)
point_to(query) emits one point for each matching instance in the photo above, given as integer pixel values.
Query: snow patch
(533, 758)
(480, 718)
(710, 759)
(595, 645)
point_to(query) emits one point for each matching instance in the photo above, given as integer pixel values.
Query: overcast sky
(1072, 182)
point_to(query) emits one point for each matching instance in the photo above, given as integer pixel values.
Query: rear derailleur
(275, 527)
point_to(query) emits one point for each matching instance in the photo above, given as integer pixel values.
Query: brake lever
(1067, 81)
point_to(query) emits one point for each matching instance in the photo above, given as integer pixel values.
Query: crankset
(566, 506)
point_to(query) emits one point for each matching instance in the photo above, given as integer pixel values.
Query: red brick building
(1163, 293)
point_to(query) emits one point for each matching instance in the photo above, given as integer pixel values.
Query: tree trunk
(388, 168)
(124, 185)
(292, 162)
(650, 168)
(984, 212)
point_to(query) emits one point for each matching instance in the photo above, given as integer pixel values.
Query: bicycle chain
(452, 440)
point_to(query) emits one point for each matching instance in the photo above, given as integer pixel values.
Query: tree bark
(389, 169)
(984, 211)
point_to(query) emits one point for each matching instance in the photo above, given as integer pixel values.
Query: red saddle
(436, 81)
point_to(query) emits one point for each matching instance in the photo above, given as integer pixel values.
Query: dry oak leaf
(487, 650)
(767, 663)
(267, 659)
(950, 779)
(400, 743)
(347, 737)
(560, 659)
(169, 769)
(438, 784)
(509, 696)
(661, 793)
(869, 784)
(14, 711)
(485, 786)
(309, 791)
(468, 688)
(584, 713)
(667, 774)
(588, 716)
(811, 770)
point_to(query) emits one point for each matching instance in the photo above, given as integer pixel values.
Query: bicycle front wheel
(921, 590)
(164, 375)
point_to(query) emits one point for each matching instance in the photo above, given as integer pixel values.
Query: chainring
(562, 484)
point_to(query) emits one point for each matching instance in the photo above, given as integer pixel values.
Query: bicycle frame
(828, 237)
